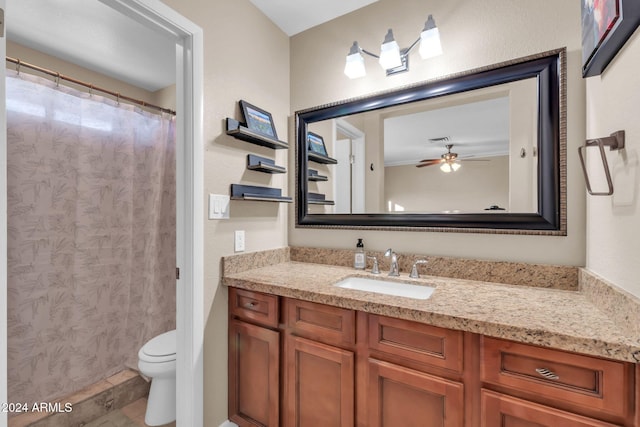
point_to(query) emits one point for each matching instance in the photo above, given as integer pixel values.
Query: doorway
(189, 188)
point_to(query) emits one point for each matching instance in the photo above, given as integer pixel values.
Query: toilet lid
(162, 345)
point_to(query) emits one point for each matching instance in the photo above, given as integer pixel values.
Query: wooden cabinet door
(254, 375)
(320, 384)
(400, 396)
(499, 410)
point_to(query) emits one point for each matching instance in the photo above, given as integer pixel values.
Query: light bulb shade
(354, 66)
(390, 52)
(447, 167)
(430, 40)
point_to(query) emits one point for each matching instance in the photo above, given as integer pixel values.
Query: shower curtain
(91, 236)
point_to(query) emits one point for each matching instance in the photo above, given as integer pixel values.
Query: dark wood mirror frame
(549, 68)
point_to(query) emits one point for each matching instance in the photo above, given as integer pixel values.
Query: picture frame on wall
(315, 144)
(258, 120)
(606, 27)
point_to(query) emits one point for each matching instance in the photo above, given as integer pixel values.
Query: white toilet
(157, 360)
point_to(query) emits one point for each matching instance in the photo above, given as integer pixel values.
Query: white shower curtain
(91, 236)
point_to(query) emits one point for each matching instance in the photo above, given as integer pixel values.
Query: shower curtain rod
(91, 87)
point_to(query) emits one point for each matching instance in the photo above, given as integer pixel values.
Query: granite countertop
(562, 319)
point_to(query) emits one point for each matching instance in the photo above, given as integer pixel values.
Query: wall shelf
(262, 164)
(313, 175)
(256, 193)
(240, 131)
(319, 199)
(325, 160)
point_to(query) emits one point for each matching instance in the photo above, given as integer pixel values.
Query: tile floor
(131, 415)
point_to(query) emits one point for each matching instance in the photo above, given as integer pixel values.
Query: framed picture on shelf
(258, 120)
(606, 27)
(315, 144)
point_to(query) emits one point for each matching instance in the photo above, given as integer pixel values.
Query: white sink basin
(386, 287)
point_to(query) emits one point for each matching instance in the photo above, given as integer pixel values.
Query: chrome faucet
(393, 269)
(414, 270)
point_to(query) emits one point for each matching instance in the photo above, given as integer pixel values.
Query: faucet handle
(375, 269)
(414, 270)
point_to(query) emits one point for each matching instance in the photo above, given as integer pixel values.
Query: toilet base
(161, 405)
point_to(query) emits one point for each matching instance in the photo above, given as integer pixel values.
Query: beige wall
(474, 33)
(245, 57)
(472, 188)
(613, 222)
(26, 54)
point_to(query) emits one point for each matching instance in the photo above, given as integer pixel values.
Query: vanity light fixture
(392, 58)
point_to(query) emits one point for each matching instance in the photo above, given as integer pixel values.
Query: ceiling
(295, 16)
(475, 129)
(93, 35)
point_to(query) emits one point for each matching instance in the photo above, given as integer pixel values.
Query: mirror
(479, 151)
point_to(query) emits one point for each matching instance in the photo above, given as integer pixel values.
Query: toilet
(157, 360)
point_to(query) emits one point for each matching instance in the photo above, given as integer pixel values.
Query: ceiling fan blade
(424, 163)
(430, 160)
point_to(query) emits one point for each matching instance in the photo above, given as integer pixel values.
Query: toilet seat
(159, 349)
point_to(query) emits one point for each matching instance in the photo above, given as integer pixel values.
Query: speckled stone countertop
(562, 319)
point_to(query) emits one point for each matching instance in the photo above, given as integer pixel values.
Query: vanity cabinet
(254, 359)
(296, 363)
(580, 384)
(399, 396)
(320, 365)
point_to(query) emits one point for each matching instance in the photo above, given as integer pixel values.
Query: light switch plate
(239, 241)
(218, 206)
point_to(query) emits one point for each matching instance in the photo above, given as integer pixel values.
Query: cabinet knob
(550, 375)
(251, 304)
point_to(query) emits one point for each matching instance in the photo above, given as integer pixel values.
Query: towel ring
(615, 142)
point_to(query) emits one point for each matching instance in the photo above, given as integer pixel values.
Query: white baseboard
(228, 424)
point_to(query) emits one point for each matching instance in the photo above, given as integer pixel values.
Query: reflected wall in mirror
(479, 151)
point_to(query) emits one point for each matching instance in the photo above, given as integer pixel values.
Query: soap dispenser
(359, 259)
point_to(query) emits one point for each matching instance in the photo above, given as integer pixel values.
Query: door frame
(358, 188)
(189, 201)
(3, 220)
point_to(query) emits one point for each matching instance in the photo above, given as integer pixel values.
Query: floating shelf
(325, 160)
(262, 164)
(239, 131)
(263, 194)
(318, 199)
(313, 175)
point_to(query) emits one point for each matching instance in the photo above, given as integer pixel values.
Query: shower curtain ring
(18, 67)
(118, 97)
(91, 90)
(58, 80)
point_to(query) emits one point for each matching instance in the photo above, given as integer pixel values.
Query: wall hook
(615, 142)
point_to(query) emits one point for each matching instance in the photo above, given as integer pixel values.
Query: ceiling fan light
(430, 40)
(446, 167)
(450, 166)
(390, 52)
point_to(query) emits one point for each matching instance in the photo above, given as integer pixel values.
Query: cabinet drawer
(324, 323)
(593, 383)
(254, 306)
(417, 342)
(506, 411)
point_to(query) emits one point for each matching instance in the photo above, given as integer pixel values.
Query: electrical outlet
(239, 241)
